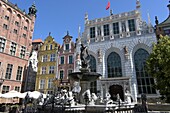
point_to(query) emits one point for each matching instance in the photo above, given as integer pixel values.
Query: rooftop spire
(169, 7)
(149, 19)
(138, 4)
(79, 28)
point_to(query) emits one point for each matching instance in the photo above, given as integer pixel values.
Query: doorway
(114, 90)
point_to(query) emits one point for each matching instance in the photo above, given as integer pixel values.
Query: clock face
(67, 40)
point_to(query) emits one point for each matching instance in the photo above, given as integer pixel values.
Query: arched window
(92, 63)
(144, 80)
(114, 67)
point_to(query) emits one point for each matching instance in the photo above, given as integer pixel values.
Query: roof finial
(67, 33)
(137, 4)
(149, 19)
(49, 33)
(79, 28)
(156, 20)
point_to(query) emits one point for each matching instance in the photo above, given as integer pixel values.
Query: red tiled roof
(37, 40)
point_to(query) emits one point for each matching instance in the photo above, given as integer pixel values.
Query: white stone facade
(125, 44)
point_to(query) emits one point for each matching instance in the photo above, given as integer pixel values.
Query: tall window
(22, 53)
(114, 67)
(62, 60)
(45, 58)
(92, 63)
(70, 59)
(9, 71)
(116, 28)
(144, 80)
(16, 23)
(51, 47)
(61, 74)
(5, 89)
(106, 30)
(67, 47)
(43, 70)
(51, 69)
(15, 31)
(13, 48)
(131, 24)
(42, 83)
(17, 88)
(2, 44)
(5, 26)
(92, 32)
(50, 83)
(52, 57)
(6, 17)
(19, 73)
(25, 28)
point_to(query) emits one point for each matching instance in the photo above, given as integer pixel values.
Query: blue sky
(60, 16)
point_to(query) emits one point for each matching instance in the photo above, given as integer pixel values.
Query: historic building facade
(47, 66)
(163, 28)
(119, 46)
(65, 62)
(16, 31)
(33, 65)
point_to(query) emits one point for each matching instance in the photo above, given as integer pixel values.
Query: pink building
(66, 62)
(16, 30)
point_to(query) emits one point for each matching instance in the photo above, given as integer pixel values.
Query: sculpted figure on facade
(99, 55)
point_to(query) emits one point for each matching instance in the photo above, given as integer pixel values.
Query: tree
(158, 66)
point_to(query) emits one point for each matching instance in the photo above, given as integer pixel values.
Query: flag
(108, 5)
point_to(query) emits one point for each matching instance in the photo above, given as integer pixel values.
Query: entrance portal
(114, 90)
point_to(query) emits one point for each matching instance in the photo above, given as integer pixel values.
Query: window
(70, 59)
(92, 32)
(9, 71)
(42, 83)
(2, 44)
(61, 74)
(13, 48)
(16, 23)
(5, 26)
(51, 47)
(116, 28)
(66, 46)
(17, 88)
(70, 71)
(43, 70)
(19, 73)
(51, 70)
(15, 31)
(5, 89)
(0, 64)
(144, 80)
(50, 92)
(62, 60)
(45, 58)
(114, 67)
(25, 28)
(106, 30)
(131, 24)
(6, 17)
(46, 47)
(22, 53)
(50, 83)
(24, 35)
(52, 57)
